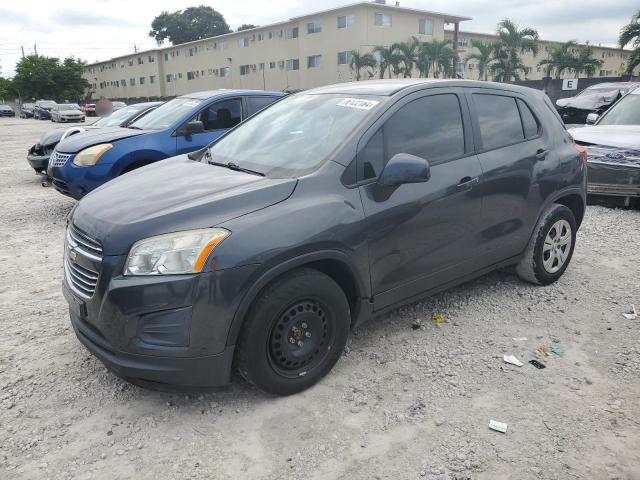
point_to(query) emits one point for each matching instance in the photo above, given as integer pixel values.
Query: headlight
(89, 156)
(174, 253)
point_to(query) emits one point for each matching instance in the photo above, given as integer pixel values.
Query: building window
(243, 42)
(123, 83)
(189, 52)
(261, 66)
(152, 79)
(463, 42)
(382, 20)
(132, 81)
(225, 71)
(314, 27)
(166, 56)
(270, 35)
(344, 58)
(140, 61)
(346, 21)
(131, 62)
(152, 59)
(223, 45)
(244, 69)
(169, 78)
(180, 75)
(272, 65)
(425, 26)
(293, 64)
(292, 33)
(313, 61)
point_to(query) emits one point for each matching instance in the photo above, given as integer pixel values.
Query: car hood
(75, 143)
(623, 136)
(590, 101)
(71, 111)
(6, 109)
(54, 136)
(172, 195)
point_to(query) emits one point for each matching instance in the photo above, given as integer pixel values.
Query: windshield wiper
(237, 168)
(134, 128)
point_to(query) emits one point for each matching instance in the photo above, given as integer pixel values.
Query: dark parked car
(26, 110)
(67, 112)
(613, 145)
(42, 109)
(84, 162)
(7, 111)
(38, 155)
(329, 207)
(594, 99)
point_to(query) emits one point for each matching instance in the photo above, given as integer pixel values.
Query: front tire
(550, 248)
(294, 332)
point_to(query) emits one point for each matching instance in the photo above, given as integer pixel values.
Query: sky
(95, 30)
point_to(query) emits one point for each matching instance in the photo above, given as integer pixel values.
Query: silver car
(67, 112)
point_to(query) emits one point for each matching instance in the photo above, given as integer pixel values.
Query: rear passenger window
(529, 122)
(221, 115)
(429, 127)
(499, 120)
(255, 104)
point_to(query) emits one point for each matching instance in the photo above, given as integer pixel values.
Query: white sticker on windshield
(358, 103)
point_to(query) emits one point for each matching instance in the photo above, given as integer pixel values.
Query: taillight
(582, 152)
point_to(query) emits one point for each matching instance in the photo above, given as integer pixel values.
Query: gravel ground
(409, 399)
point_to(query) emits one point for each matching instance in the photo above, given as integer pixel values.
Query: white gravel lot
(409, 399)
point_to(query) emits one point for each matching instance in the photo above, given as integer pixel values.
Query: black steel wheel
(294, 332)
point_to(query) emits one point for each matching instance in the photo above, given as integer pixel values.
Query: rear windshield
(625, 112)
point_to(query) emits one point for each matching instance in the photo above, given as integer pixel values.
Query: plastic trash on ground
(498, 426)
(632, 315)
(512, 360)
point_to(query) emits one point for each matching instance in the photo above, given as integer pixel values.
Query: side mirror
(195, 126)
(405, 168)
(592, 118)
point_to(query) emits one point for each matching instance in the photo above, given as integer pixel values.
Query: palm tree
(586, 62)
(436, 55)
(358, 62)
(560, 58)
(512, 42)
(388, 58)
(505, 68)
(630, 34)
(484, 56)
(407, 54)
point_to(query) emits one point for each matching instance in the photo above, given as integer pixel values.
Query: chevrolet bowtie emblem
(72, 255)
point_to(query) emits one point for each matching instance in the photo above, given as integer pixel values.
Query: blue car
(83, 162)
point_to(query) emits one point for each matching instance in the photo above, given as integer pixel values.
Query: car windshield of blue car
(625, 112)
(118, 117)
(166, 115)
(295, 135)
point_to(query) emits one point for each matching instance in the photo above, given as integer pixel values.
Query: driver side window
(220, 115)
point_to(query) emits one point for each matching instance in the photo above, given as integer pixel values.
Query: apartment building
(614, 58)
(302, 52)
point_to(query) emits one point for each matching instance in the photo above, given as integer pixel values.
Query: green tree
(6, 89)
(630, 34)
(512, 42)
(38, 76)
(560, 58)
(436, 56)
(407, 53)
(388, 58)
(484, 57)
(194, 23)
(586, 63)
(246, 26)
(360, 61)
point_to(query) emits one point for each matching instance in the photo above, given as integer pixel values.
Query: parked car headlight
(174, 253)
(89, 156)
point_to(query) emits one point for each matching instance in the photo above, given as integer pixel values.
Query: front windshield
(165, 115)
(68, 106)
(295, 135)
(118, 117)
(625, 112)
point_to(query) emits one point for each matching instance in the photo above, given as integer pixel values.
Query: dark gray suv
(260, 252)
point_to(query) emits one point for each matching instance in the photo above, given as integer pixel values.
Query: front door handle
(467, 183)
(541, 154)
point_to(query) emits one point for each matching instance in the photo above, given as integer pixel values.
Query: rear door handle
(467, 183)
(541, 154)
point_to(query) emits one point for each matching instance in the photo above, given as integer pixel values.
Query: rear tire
(294, 332)
(550, 248)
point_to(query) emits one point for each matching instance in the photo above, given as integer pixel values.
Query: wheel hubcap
(557, 246)
(300, 337)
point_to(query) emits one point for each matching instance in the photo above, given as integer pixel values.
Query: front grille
(58, 159)
(82, 273)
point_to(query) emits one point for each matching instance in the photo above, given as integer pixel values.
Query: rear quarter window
(530, 124)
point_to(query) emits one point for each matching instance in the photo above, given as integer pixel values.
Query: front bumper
(38, 157)
(7, 114)
(169, 330)
(611, 179)
(76, 182)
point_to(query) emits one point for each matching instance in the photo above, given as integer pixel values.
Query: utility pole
(135, 48)
(22, 48)
(35, 49)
